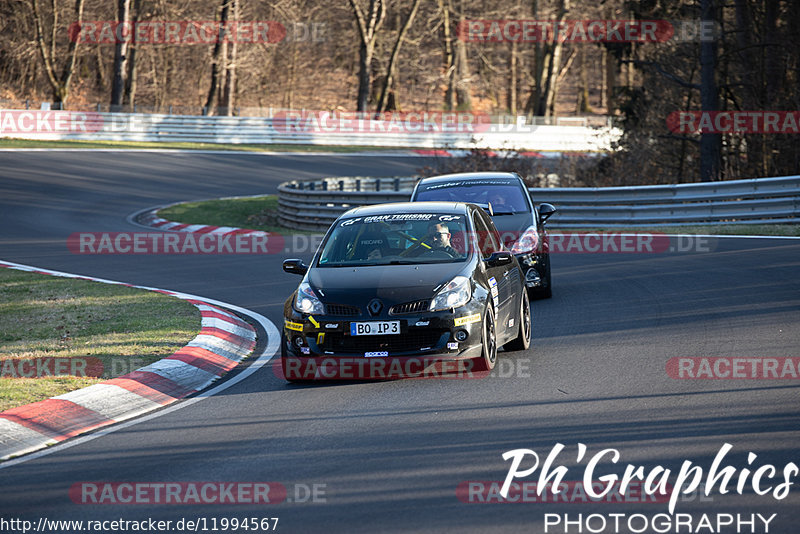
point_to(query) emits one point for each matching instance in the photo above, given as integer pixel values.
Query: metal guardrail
(123, 127)
(314, 205)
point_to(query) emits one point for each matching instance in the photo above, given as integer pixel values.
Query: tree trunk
(449, 61)
(547, 101)
(130, 80)
(229, 93)
(512, 79)
(710, 143)
(389, 80)
(368, 25)
(120, 57)
(218, 61)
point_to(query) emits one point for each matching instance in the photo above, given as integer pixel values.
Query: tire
(488, 358)
(523, 339)
(547, 291)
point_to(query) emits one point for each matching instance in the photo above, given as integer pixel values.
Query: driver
(499, 203)
(439, 238)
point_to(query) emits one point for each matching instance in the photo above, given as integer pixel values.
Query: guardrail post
(397, 184)
(311, 185)
(358, 185)
(341, 185)
(324, 185)
(377, 184)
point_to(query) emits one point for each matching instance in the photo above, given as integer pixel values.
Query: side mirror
(295, 266)
(499, 258)
(545, 211)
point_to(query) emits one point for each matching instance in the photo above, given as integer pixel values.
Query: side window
(495, 235)
(487, 241)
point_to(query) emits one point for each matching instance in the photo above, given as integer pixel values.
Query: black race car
(505, 197)
(406, 289)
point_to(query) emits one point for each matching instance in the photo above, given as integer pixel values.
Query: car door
(503, 279)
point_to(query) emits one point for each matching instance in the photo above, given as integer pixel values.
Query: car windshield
(396, 239)
(506, 196)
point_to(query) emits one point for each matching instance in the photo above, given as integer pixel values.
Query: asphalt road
(388, 456)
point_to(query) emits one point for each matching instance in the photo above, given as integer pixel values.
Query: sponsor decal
(377, 354)
(320, 338)
(293, 326)
(331, 325)
(305, 350)
(474, 318)
(313, 321)
(452, 345)
(422, 323)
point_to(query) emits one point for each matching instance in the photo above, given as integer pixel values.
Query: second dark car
(521, 226)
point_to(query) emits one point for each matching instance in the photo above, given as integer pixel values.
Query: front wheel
(488, 358)
(523, 339)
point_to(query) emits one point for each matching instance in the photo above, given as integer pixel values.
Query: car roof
(460, 208)
(467, 176)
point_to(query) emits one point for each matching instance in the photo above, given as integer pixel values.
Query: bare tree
(59, 82)
(390, 70)
(120, 56)
(368, 23)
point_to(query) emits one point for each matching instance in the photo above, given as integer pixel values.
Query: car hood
(511, 227)
(393, 284)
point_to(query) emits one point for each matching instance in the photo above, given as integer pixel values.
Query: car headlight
(455, 293)
(527, 242)
(307, 301)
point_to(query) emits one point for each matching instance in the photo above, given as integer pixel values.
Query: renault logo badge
(374, 307)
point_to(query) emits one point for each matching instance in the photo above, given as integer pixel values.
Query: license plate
(375, 328)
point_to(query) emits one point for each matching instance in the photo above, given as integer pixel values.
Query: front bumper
(429, 343)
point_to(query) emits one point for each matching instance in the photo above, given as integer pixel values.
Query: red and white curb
(224, 340)
(152, 220)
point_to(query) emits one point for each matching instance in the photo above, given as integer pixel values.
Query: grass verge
(36, 143)
(45, 316)
(716, 229)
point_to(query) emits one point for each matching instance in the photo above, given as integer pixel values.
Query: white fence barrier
(441, 130)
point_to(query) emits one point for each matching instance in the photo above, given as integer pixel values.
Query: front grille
(410, 307)
(342, 309)
(414, 339)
